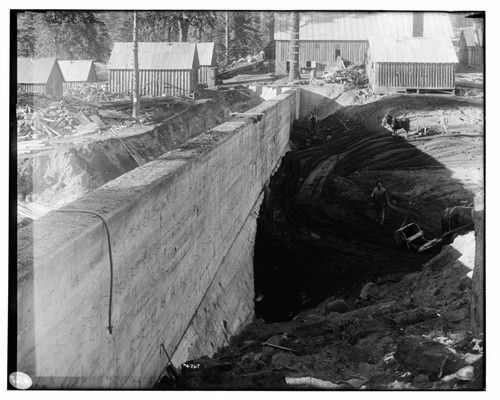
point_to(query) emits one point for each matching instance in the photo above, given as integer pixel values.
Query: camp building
(324, 36)
(208, 64)
(470, 47)
(76, 72)
(42, 75)
(165, 69)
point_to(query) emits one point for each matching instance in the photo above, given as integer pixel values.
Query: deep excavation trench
(317, 242)
(316, 230)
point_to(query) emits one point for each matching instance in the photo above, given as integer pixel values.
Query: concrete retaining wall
(182, 235)
(310, 97)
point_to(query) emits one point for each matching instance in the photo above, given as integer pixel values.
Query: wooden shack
(470, 47)
(42, 75)
(414, 64)
(207, 73)
(324, 36)
(76, 72)
(165, 69)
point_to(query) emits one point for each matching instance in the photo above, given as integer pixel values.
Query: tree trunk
(271, 27)
(135, 75)
(477, 300)
(294, 48)
(183, 30)
(169, 33)
(227, 36)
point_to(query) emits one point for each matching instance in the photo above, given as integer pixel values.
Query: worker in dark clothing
(380, 200)
(313, 121)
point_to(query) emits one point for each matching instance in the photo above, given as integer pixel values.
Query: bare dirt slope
(318, 246)
(81, 164)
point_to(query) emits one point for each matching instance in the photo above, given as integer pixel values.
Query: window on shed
(337, 53)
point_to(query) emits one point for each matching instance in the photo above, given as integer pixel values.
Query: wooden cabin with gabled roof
(411, 65)
(208, 64)
(165, 69)
(324, 36)
(42, 75)
(471, 47)
(76, 72)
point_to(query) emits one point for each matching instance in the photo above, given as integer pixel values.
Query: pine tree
(26, 39)
(70, 35)
(245, 33)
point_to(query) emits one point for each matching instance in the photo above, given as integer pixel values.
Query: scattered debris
(94, 92)
(308, 382)
(353, 75)
(39, 118)
(241, 67)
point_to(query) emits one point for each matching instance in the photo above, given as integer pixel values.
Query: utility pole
(135, 75)
(294, 74)
(227, 36)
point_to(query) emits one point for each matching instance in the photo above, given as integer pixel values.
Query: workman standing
(313, 121)
(443, 122)
(380, 199)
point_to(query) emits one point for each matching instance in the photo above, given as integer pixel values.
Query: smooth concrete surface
(182, 235)
(311, 97)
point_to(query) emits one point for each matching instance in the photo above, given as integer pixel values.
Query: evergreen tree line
(73, 35)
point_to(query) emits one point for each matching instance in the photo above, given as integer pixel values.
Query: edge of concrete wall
(62, 339)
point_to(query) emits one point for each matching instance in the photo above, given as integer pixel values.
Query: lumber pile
(253, 67)
(93, 92)
(351, 75)
(38, 117)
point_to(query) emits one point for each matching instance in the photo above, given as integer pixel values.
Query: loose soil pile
(336, 300)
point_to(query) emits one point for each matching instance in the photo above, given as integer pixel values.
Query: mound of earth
(407, 332)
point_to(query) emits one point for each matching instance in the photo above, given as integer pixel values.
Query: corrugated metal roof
(412, 50)
(155, 55)
(77, 70)
(206, 53)
(358, 25)
(35, 71)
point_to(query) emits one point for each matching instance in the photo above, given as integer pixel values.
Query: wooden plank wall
(206, 76)
(324, 51)
(153, 82)
(415, 75)
(476, 56)
(33, 88)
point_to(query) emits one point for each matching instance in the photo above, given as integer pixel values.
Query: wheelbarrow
(410, 235)
(413, 237)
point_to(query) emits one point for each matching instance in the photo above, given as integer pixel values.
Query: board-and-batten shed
(324, 36)
(42, 75)
(76, 72)
(470, 47)
(411, 64)
(208, 64)
(165, 69)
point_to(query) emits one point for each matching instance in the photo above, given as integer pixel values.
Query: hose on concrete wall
(110, 327)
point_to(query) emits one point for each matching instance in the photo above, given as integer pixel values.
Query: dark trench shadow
(317, 233)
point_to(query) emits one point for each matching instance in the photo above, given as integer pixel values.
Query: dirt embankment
(318, 227)
(409, 331)
(342, 303)
(57, 177)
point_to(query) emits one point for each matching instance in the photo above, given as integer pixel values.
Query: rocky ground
(408, 331)
(338, 305)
